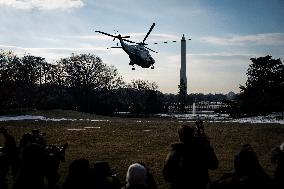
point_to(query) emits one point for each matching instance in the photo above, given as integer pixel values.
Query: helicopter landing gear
(133, 68)
(152, 67)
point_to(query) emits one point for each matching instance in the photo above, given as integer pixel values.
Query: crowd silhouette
(34, 165)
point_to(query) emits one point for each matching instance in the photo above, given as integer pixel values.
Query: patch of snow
(41, 118)
(76, 129)
(147, 130)
(100, 120)
(92, 127)
(260, 119)
(58, 119)
(123, 112)
(203, 115)
(21, 117)
(214, 117)
(206, 116)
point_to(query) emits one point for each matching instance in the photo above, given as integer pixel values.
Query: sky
(224, 34)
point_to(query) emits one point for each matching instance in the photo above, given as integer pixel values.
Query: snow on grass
(92, 127)
(42, 118)
(147, 130)
(212, 117)
(206, 116)
(74, 129)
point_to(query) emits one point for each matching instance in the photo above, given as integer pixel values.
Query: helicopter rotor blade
(114, 36)
(106, 34)
(153, 25)
(156, 43)
(117, 37)
(150, 49)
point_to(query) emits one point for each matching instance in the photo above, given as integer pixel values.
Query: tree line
(79, 82)
(85, 83)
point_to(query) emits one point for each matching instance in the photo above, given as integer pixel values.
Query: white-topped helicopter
(137, 53)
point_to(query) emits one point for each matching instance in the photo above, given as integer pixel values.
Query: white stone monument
(183, 63)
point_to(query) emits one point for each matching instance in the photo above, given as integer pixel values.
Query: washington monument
(183, 79)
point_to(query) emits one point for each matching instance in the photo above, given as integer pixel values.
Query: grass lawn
(122, 141)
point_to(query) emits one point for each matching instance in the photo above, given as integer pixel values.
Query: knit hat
(136, 175)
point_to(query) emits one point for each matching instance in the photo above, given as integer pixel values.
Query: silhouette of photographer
(8, 157)
(188, 161)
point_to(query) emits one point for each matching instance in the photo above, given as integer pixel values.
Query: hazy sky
(225, 35)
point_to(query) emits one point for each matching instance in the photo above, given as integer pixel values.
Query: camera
(199, 129)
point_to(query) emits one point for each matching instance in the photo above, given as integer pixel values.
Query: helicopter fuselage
(138, 55)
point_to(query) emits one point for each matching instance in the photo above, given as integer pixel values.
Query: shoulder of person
(178, 146)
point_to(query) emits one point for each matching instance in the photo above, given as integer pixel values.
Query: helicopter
(138, 52)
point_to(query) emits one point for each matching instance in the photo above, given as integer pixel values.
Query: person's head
(26, 140)
(246, 161)
(102, 168)
(136, 175)
(186, 133)
(35, 132)
(79, 167)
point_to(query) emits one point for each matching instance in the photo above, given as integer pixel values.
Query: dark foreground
(122, 142)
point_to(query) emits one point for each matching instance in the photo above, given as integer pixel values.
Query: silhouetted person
(38, 137)
(31, 170)
(79, 175)
(103, 177)
(4, 168)
(49, 157)
(54, 155)
(11, 151)
(277, 157)
(248, 173)
(188, 162)
(136, 177)
(26, 140)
